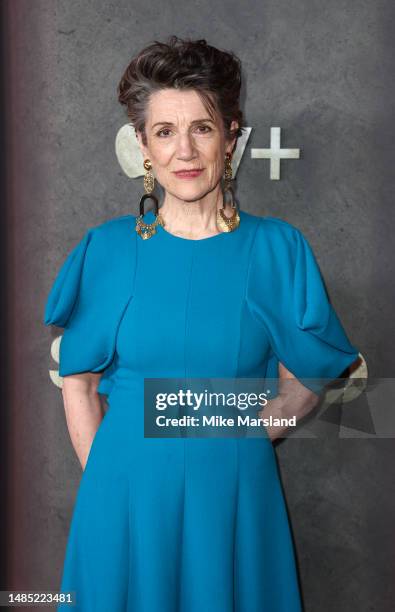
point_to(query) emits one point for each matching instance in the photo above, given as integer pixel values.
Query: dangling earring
(146, 230)
(224, 223)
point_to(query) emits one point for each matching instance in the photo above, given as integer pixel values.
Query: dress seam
(180, 583)
(126, 306)
(129, 545)
(250, 310)
(244, 298)
(187, 314)
(235, 527)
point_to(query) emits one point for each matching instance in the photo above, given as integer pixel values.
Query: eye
(206, 127)
(162, 130)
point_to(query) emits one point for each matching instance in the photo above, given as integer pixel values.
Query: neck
(192, 219)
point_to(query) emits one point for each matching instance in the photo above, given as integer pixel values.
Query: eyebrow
(192, 122)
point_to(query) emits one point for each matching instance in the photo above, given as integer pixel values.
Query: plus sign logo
(131, 161)
(275, 153)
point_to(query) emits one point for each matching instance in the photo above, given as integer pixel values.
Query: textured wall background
(324, 73)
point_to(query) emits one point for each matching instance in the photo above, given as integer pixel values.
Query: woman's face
(182, 136)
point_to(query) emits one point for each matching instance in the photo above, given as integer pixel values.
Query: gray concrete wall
(323, 71)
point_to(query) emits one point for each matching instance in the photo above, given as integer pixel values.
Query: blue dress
(186, 525)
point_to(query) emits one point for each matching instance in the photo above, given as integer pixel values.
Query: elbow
(84, 383)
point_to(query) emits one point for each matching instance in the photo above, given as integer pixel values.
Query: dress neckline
(149, 217)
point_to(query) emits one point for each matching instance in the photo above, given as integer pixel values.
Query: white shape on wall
(54, 374)
(275, 153)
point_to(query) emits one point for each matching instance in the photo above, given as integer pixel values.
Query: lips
(188, 173)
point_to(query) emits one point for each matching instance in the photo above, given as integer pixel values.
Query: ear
(231, 143)
(143, 148)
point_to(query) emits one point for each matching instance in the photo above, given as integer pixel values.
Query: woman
(195, 290)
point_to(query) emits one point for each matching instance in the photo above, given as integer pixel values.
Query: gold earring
(224, 223)
(146, 230)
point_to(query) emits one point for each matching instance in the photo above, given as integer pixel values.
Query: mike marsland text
(220, 421)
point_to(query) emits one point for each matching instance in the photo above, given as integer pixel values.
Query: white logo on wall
(131, 161)
(54, 374)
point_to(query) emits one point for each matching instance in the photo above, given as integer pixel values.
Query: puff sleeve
(286, 293)
(87, 299)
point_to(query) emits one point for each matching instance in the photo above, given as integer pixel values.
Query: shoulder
(105, 245)
(273, 231)
(279, 247)
(113, 228)
(111, 239)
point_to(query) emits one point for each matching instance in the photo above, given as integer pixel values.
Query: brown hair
(183, 64)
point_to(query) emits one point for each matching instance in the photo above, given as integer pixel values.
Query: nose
(185, 147)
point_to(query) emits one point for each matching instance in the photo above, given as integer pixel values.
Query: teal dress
(187, 524)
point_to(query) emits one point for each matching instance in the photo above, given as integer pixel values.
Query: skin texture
(83, 411)
(189, 139)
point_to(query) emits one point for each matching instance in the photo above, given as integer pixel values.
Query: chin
(190, 193)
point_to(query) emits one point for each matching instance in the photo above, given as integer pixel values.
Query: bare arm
(83, 410)
(292, 400)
